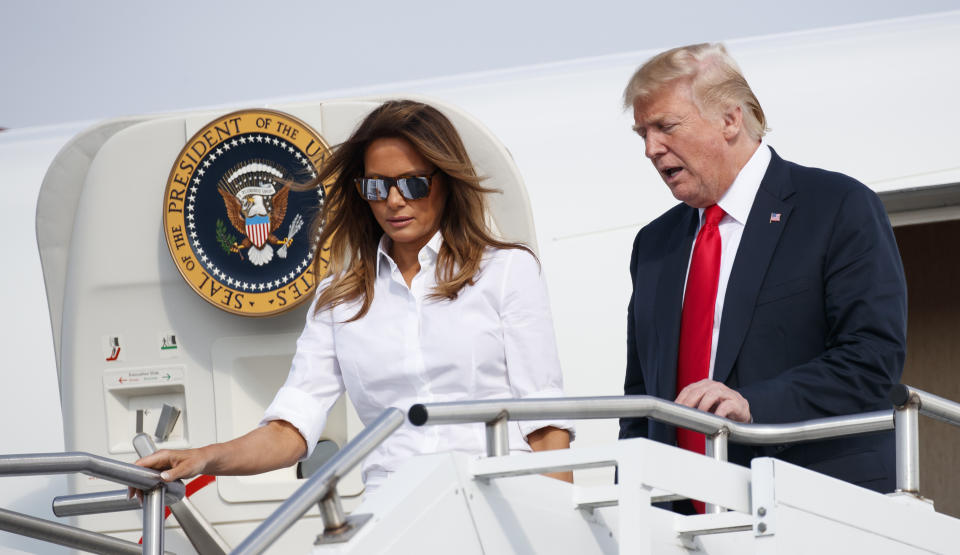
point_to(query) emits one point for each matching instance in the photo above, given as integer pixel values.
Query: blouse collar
(427, 255)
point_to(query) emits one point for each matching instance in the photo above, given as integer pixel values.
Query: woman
(421, 304)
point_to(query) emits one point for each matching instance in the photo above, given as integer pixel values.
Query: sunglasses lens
(414, 187)
(372, 189)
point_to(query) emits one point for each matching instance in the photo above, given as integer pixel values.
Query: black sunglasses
(411, 188)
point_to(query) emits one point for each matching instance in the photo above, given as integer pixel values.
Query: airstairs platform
(501, 503)
(452, 502)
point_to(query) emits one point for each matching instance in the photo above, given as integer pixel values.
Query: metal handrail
(928, 404)
(61, 534)
(908, 403)
(719, 431)
(648, 407)
(155, 493)
(93, 465)
(322, 488)
(97, 503)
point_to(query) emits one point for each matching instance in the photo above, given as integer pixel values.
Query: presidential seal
(237, 230)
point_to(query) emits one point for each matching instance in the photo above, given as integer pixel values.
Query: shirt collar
(428, 254)
(738, 200)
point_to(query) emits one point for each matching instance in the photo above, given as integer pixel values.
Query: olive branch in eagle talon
(225, 239)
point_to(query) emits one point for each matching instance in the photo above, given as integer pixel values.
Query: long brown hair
(348, 221)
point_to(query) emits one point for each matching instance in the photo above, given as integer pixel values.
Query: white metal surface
(438, 503)
(807, 512)
(29, 375)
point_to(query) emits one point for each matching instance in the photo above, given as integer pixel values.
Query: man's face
(688, 150)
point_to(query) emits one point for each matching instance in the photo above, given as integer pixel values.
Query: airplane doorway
(931, 260)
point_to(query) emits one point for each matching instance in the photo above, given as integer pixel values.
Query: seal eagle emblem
(256, 208)
(235, 208)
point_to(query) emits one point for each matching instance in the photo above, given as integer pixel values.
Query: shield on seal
(258, 229)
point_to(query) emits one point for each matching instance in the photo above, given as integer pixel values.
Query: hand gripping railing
(496, 413)
(198, 530)
(322, 488)
(156, 493)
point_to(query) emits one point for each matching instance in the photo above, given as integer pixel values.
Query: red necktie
(696, 320)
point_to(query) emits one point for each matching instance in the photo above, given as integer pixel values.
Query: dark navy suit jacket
(813, 323)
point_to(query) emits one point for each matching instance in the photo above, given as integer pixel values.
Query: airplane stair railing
(321, 488)
(495, 414)
(157, 493)
(908, 403)
(201, 534)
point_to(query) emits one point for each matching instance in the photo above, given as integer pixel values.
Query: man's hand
(711, 396)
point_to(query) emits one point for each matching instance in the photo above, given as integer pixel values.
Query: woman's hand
(175, 464)
(276, 445)
(178, 464)
(546, 439)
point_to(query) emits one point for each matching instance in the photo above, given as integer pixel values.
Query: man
(773, 293)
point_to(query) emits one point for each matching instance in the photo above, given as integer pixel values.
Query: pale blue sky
(69, 60)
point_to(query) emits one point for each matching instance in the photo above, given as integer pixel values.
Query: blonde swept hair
(354, 234)
(715, 79)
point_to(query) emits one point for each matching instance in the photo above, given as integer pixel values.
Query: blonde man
(773, 292)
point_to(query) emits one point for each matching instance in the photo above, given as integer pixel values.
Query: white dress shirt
(736, 204)
(495, 340)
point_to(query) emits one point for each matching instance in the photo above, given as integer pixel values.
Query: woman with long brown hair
(421, 304)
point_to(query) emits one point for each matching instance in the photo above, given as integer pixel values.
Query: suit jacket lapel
(668, 305)
(757, 245)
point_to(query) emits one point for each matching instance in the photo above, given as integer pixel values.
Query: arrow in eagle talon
(295, 226)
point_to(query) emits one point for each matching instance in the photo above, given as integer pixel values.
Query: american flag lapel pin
(774, 217)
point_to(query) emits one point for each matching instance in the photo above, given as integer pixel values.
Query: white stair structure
(501, 504)
(450, 502)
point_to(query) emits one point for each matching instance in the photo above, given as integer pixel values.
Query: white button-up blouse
(495, 340)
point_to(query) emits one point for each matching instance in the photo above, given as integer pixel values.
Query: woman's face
(407, 222)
